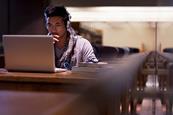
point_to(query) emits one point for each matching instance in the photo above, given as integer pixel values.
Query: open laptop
(34, 53)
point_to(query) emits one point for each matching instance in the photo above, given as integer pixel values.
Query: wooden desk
(24, 93)
(53, 82)
(89, 93)
(29, 93)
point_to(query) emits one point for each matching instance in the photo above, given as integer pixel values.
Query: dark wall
(26, 17)
(22, 17)
(4, 17)
(3, 21)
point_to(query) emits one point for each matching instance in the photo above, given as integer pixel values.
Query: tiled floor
(149, 106)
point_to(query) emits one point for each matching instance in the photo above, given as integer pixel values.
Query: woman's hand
(55, 38)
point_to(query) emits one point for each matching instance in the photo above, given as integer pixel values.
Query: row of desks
(83, 93)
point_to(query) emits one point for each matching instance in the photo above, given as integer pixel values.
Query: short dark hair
(60, 10)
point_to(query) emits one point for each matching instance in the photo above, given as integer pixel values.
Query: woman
(70, 48)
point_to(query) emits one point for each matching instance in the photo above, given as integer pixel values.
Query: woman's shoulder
(81, 40)
(82, 43)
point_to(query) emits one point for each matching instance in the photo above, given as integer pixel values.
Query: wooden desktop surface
(45, 81)
(61, 77)
(44, 93)
(63, 93)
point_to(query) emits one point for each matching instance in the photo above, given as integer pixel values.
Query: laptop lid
(29, 53)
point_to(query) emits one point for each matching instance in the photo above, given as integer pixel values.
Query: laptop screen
(29, 53)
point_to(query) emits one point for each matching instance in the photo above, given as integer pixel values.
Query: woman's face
(56, 26)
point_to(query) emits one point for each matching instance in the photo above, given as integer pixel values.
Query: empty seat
(105, 51)
(168, 50)
(133, 50)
